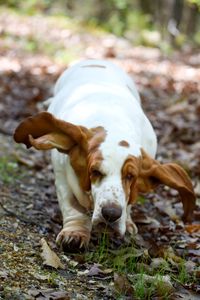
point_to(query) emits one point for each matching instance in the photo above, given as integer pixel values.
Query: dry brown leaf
(122, 285)
(49, 294)
(191, 228)
(158, 262)
(49, 256)
(169, 253)
(95, 270)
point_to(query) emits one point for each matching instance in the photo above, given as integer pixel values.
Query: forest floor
(163, 260)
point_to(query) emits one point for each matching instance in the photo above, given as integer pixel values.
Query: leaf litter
(165, 252)
(49, 257)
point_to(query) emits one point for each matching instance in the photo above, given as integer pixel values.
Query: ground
(162, 261)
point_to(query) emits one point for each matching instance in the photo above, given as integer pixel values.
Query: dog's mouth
(108, 228)
(108, 231)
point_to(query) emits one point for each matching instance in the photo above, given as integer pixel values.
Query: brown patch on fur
(78, 160)
(81, 160)
(124, 143)
(94, 154)
(98, 136)
(130, 172)
(94, 66)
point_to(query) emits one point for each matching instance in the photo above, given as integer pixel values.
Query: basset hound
(103, 151)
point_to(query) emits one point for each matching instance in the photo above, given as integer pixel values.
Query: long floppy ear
(44, 132)
(153, 173)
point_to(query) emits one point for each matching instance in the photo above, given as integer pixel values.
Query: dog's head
(110, 170)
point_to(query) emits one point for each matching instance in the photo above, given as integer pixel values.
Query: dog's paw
(73, 240)
(131, 228)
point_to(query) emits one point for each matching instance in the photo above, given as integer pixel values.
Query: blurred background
(160, 23)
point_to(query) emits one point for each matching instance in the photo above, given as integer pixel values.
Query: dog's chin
(111, 229)
(116, 239)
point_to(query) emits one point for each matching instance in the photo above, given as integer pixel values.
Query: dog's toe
(131, 228)
(72, 246)
(73, 241)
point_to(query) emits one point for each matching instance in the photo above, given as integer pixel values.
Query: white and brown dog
(103, 151)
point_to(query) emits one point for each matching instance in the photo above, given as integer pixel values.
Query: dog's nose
(111, 213)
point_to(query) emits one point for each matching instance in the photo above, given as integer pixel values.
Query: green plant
(195, 2)
(124, 259)
(183, 276)
(139, 287)
(146, 286)
(8, 170)
(53, 279)
(141, 200)
(102, 250)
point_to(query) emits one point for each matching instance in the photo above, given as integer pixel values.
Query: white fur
(99, 96)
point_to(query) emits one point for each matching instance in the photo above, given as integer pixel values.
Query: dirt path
(28, 208)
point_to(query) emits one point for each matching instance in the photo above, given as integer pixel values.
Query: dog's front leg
(76, 224)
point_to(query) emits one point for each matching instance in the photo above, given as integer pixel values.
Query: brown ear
(43, 131)
(153, 173)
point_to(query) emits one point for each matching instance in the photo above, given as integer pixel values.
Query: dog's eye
(96, 174)
(129, 177)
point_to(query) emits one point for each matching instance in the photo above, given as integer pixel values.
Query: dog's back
(98, 93)
(99, 71)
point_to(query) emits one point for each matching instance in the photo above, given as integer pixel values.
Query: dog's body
(103, 96)
(104, 150)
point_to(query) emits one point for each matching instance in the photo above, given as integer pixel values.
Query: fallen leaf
(191, 228)
(168, 253)
(190, 266)
(4, 274)
(94, 270)
(177, 108)
(97, 270)
(70, 262)
(83, 273)
(147, 220)
(50, 257)
(158, 263)
(42, 277)
(107, 271)
(123, 285)
(194, 252)
(49, 294)
(184, 294)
